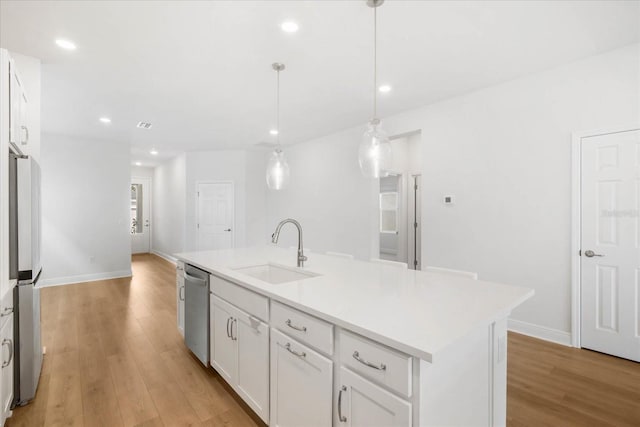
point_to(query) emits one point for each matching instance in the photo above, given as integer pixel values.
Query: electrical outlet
(448, 200)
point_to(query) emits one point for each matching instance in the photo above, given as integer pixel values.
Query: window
(389, 212)
(136, 208)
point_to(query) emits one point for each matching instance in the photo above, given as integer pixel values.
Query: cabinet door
(180, 302)
(301, 384)
(252, 381)
(224, 351)
(15, 100)
(6, 381)
(364, 404)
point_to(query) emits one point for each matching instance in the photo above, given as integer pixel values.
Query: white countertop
(416, 312)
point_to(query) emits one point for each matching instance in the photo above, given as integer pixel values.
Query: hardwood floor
(115, 358)
(553, 385)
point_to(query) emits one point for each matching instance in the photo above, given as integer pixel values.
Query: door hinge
(415, 225)
(415, 187)
(580, 252)
(198, 193)
(415, 263)
(197, 225)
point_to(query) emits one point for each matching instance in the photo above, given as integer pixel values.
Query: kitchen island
(345, 342)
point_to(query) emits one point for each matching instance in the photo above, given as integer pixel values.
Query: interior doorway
(140, 214)
(607, 256)
(399, 203)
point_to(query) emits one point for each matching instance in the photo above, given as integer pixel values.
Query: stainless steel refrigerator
(24, 258)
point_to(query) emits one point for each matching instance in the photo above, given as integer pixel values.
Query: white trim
(81, 278)
(168, 257)
(576, 224)
(233, 218)
(540, 332)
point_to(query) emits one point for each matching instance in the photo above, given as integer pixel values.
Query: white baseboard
(168, 257)
(541, 332)
(57, 281)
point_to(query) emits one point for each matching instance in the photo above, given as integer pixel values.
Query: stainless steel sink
(275, 274)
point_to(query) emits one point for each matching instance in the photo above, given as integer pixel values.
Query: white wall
(168, 210)
(85, 202)
(142, 172)
(257, 232)
(505, 153)
(329, 196)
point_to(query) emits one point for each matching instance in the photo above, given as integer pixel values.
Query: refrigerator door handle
(9, 344)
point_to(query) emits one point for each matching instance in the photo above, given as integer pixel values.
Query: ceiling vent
(143, 125)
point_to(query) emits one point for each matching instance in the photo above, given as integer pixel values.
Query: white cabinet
(6, 372)
(18, 130)
(361, 403)
(180, 297)
(240, 353)
(223, 347)
(301, 384)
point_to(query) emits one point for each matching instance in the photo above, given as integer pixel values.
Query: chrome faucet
(276, 234)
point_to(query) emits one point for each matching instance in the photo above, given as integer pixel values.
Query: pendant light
(374, 153)
(277, 167)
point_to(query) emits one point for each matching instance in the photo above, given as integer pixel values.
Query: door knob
(591, 254)
(227, 229)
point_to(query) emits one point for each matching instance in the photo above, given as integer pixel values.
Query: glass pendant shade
(277, 171)
(374, 153)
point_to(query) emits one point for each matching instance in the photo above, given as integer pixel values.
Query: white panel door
(301, 383)
(252, 381)
(140, 214)
(215, 212)
(610, 247)
(364, 404)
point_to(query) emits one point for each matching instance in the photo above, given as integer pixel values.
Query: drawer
(251, 302)
(304, 327)
(377, 362)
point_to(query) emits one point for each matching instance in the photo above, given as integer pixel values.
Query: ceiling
(200, 72)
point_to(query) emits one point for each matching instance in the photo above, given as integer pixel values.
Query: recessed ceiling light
(289, 27)
(66, 44)
(105, 119)
(138, 164)
(273, 131)
(384, 88)
(154, 152)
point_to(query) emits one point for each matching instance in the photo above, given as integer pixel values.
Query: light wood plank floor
(115, 358)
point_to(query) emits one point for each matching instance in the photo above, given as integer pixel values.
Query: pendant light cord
(278, 107)
(375, 62)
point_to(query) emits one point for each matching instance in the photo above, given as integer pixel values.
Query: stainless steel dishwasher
(196, 312)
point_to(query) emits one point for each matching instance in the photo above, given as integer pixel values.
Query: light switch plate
(448, 200)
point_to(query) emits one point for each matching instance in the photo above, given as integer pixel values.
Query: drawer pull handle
(7, 311)
(340, 416)
(228, 333)
(297, 328)
(295, 353)
(380, 367)
(181, 293)
(234, 337)
(9, 344)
